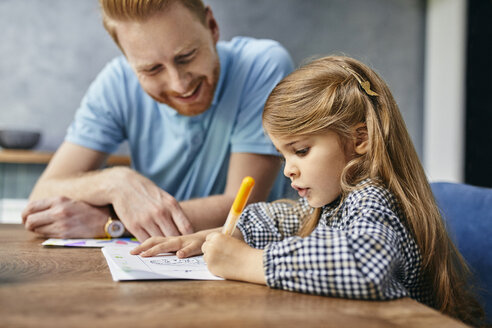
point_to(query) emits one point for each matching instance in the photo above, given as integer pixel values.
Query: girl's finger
(146, 245)
(204, 247)
(189, 250)
(158, 249)
(165, 245)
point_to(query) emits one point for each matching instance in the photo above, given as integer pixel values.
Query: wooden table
(72, 287)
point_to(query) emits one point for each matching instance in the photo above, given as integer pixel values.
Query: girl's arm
(265, 223)
(366, 260)
(366, 257)
(233, 259)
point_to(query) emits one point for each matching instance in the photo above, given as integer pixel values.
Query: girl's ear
(361, 139)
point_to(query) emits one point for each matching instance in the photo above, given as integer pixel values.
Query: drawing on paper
(175, 261)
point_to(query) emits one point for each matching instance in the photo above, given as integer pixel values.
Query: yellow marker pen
(238, 205)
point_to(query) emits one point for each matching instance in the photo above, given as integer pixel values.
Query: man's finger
(179, 220)
(140, 234)
(36, 206)
(167, 227)
(49, 231)
(183, 224)
(153, 229)
(37, 220)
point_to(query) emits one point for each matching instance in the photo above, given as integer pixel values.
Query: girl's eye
(302, 152)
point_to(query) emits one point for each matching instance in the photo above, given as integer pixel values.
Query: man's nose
(178, 80)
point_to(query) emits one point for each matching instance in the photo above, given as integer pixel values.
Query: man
(189, 107)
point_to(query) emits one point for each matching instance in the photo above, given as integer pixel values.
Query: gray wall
(51, 50)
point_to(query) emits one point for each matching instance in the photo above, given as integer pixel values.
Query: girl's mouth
(301, 191)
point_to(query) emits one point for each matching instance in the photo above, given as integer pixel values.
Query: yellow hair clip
(364, 84)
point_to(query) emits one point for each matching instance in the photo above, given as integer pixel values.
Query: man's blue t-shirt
(186, 156)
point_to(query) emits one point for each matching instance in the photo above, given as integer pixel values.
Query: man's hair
(337, 93)
(141, 10)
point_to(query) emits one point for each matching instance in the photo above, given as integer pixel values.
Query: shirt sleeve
(264, 223)
(267, 69)
(359, 262)
(98, 122)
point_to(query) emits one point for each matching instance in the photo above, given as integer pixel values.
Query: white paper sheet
(98, 242)
(124, 266)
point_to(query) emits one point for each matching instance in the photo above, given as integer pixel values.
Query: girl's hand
(231, 258)
(184, 246)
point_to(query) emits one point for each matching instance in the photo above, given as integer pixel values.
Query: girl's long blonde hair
(337, 93)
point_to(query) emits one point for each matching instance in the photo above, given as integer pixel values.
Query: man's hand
(62, 217)
(145, 209)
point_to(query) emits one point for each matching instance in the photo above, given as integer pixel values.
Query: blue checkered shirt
(359, 249)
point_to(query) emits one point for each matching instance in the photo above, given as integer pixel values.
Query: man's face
(174, 57)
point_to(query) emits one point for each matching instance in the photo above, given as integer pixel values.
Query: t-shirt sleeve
(268, 67)
(99, 121)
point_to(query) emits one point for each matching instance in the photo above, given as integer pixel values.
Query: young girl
(366, 226)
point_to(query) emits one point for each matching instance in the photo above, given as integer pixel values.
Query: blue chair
(467, 211)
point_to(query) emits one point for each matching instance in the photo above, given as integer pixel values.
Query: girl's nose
(290, 171)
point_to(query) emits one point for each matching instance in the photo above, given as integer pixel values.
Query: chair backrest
(467, 211)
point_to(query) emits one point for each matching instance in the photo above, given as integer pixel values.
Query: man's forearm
(90, 187)
(100, 188)
(208, 212)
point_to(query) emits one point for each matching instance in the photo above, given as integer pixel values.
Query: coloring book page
(98, 242)
(124, 266)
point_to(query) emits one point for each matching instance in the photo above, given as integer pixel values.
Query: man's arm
(144, 208)
(69, 160)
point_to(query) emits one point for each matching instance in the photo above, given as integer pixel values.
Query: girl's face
(314, 164)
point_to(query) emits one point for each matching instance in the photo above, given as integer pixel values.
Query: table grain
(72, 287)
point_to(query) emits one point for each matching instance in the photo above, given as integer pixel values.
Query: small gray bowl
(19, 139)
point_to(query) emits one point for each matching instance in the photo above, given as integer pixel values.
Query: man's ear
(361, 139)
(211, 24)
